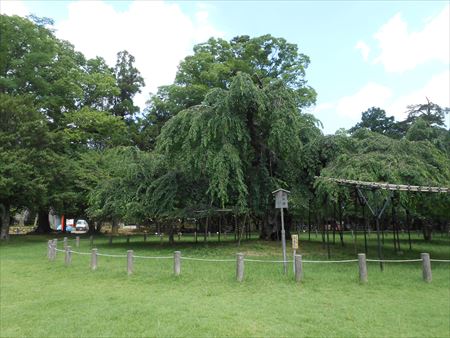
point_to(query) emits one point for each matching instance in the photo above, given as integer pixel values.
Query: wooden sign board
(294, 242)
(281, 198)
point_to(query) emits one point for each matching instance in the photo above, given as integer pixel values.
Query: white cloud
(364, 48)
(371, 95)
(158, 34)
(437, 90)
(13, 7)
(402, 50)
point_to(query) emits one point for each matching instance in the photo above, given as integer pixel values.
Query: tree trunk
(43, 226)
(269, 227)
(171, 239)
(427, 229)
(5, 221)
(114, 226)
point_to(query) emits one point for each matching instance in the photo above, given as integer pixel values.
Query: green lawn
(48, 299)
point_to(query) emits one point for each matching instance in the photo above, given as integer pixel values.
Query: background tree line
(228, 131)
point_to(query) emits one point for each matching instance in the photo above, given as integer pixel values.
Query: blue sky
(368, 53)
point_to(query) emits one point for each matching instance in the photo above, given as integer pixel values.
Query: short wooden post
(68, 256)
(49, 249)
(65, 243)
(77, 241)
(130, 262)
(240, 267)
(110, 239)
(179, 236)
(195, 236)
(145, 237)
(91, 239)
(177, 263)
(298, 268)
(54, 247)
(128, 239)
(362, 268)
(94, 259)
(426, 267)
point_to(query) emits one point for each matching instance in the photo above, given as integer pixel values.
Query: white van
(81, 225)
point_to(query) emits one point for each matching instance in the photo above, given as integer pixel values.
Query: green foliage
(129, 81)
(377, 158)
(375, 120)
(215, 64)
(245, 141)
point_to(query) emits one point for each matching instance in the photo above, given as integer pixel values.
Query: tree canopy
(228, 131)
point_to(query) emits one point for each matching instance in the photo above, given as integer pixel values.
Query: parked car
(69, 228)
(82, 225)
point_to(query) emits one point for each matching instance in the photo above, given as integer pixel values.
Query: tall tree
(216, 62)
(129, 81)
(245, 141)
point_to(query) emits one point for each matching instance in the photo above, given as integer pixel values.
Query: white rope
(80, 253)
(440, 260)
(208, 260)
(106, 255)
(342, 261)
(59, 250)
(266, 261)
(394, 260)
(147, 257)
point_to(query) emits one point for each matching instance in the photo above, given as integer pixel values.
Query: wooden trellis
(377, 211)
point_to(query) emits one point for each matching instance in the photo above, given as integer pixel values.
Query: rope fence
(240, 260)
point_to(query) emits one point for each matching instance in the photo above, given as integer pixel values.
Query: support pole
(68, 256)
(298, 268)
(426, 267)
(177, 263)
(283, 241)
(49, 249)
(94, 259)
(77, 241)
(129, 262)
(362, 264)
(240, 267)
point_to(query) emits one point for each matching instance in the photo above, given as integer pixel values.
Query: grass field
(48, 299)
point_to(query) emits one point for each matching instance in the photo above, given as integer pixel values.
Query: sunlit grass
(48, 299)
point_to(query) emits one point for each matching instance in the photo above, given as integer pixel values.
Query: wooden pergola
(376, 210)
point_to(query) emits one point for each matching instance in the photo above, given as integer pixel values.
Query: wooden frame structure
(377, 211)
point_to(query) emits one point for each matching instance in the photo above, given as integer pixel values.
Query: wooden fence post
(298, 268)
(240, 267)
(94, 259)
(145, 237)
(362, 267)
(49, 249)
(177, 263)
(68, 256)
(77, 241)
(54, 247)
(426, 267)
(130, 262)
(65, 243)
(91, 239)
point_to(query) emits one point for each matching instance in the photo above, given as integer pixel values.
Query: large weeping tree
(245, 140)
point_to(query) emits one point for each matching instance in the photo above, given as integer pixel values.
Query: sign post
(294, 248)
(281, 202)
